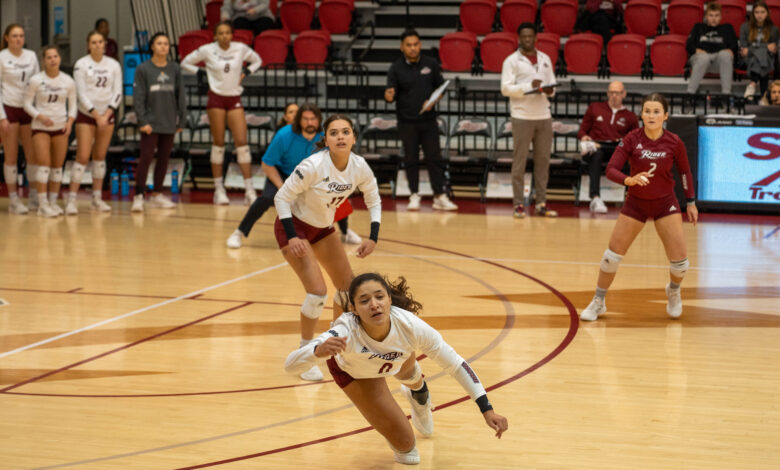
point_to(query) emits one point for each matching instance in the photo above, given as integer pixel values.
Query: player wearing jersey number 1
(224, 61)
(652, 152)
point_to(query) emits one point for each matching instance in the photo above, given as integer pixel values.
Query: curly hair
(398, 291)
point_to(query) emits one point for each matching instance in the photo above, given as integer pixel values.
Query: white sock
(304, 342)
(248, 186)
(97, 194)
(218, 183)
(72, 196)
(53, 198)
(13, 196)
(42, 199)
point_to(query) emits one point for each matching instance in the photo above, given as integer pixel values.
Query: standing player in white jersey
(377, 339)
(50, 99)
(99, 84)
(306, 204)
(224, 61)
(17, 66)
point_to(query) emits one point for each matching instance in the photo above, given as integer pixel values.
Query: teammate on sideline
(652, 152)
(224, 66)
(99, 84)
(306, 204)
(379, 338)
(50, 99)
(17, 66)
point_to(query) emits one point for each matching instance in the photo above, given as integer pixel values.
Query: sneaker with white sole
(159, 201)
(32, 204)
(45, 210)
(249, 197)
(351, 238)
(16, 206)
(422, 415)
(235, 239)
(220, 197)
(597, 205)
(138, 203)
(407, 458)
(100, 205)
(71, 208)
(595, 308)
(56, 208)
(750, 90)
(414, 202)
(674, 302)
(443, 203)
(314, 374)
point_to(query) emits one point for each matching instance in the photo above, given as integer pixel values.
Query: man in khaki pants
(522, 76)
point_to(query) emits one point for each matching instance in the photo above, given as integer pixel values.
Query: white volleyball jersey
(99, 84)
(224, 67)
(366, 358)
(316, 188)
(52, 97)
(15, 74)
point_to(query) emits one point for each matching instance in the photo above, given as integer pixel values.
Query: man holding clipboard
(527, 79)
(411, 82)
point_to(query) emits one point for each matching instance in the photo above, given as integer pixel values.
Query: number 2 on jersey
(653, 166)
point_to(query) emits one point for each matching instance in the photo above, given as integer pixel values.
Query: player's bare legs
(217, 126)
(236, 121)
(333, 258)
(670, 230)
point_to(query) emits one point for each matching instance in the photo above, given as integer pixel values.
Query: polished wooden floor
(141, 342)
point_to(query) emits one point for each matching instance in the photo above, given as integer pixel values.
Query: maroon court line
(126, 346)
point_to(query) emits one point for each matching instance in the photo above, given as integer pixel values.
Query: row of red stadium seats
(335, 15)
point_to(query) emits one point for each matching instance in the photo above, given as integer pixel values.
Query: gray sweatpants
(523, 133)
(701, 63)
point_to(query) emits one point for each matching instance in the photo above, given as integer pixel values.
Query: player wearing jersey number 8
(652, 152)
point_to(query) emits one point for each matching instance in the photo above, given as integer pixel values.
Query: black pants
(762, 80)
(256, 26)
(163, 144)
(426, 134)
(595, 161)
(261, 204)
(601, 23)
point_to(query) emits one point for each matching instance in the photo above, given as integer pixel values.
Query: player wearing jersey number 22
(652, 152)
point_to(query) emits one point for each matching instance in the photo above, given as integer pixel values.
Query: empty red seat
(296, 15)
(272, 46)
(626, 53)
(336, 15)
(311, 47)
(733, 12)
(550, 44)
(244, 35)
(213, 14)
(516, 12)
(642, 17)
(495, 48)
(774, 11)
(668, 55)
(559, 16)
(192, 40)
(583, 53)
(456, 51)
(682, 15)
(476, 16)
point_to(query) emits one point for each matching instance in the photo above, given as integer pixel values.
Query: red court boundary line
(126, 346)
(571, 333)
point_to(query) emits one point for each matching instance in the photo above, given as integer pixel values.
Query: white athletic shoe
(161, 202)
(443, 203)
(597, 206)
(407, 458)
(235, 239)
(56, 208)
(595, 308)
(45, 210)
(351, 238)
(100, 205)
(674, 304)
(32, 204)
(314, 374)
(16, 206)
(750, 90)
(71, 208)
(414, 202)
(249, 197)
(220, 197)
(422, 415)
(138, 203)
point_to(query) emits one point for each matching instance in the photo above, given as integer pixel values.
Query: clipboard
(551, 85)
(436, 94)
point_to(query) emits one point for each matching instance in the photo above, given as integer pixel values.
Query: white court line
(140, 310)
(586, 263)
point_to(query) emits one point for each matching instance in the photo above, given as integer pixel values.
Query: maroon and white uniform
(99, 86)
(656, 157)
(52, 97)
(15, 73)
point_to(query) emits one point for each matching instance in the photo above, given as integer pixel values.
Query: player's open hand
(497, 422)
(297, 247)
(639, 179)
(366, 248)
(693, 213)
(332, 346)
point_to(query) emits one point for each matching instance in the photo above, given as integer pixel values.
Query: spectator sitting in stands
(758, 45)
(602, 17)
(709, 43)
(772, 95)
(112, 50)
(605, 123)
(254, 15)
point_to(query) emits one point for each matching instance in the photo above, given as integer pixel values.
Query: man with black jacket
(411, 80)
(709, 43)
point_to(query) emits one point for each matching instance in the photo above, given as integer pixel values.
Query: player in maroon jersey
(652, 152)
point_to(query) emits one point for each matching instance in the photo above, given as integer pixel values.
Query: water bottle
(125, 183)
(114, 182)
(175, 182)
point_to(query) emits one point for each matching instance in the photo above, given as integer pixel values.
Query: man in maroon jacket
(605, 123)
